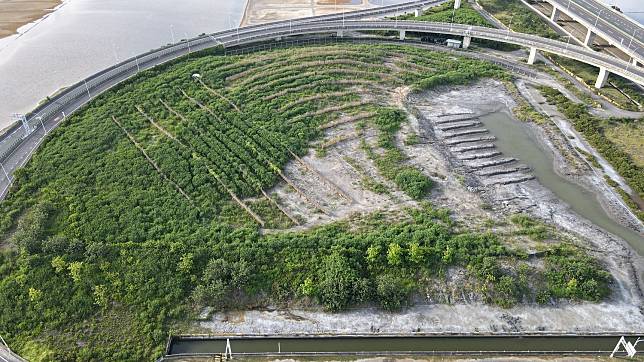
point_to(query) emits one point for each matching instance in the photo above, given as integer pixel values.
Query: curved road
(51, 113)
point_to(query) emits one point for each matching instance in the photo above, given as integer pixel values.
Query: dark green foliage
(339, 283)
(109, 255)
(31, 229)
(220, 281)
(413, 182)
(392, 291)
(571, 274)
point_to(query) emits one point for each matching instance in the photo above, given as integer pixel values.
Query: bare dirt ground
(264, 11)
(450, 304)
(337, 185)
(16, 13)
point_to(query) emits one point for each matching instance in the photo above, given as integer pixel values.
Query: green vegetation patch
(146, 205)
(629, 136)
(445, 13)
(593, 130)
(618, 90)
(518, 17)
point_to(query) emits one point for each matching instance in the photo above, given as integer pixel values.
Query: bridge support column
(402, 35)
(555, 14)
(634, 61)
(466, 41)
(532, 56)
(601, 78)
(590, 37)
(457, 4)
(340, 33)
(418, 12)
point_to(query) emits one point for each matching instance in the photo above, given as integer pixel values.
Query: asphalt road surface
(75, 96)
(621, 31)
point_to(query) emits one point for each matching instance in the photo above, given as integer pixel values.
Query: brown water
(86, 36)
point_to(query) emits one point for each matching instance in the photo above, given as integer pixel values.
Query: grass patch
(593, 130)
(518, 17)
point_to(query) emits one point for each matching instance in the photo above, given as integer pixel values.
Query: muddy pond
(515, 140)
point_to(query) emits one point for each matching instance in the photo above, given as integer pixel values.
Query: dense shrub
(413, 182)
(113, 253)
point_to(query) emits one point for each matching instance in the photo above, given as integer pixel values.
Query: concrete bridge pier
(340, 33)
(555, 14)
(418, 12)
(590, 37)
(457, 4)
(532, 56)
(466, 41)
(402, 35)
(634, 61)
(602, 77)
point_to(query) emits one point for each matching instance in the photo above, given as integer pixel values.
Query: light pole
(598, 14)
(5, 173)
(632, 36)
(87, 89)
(43, 125)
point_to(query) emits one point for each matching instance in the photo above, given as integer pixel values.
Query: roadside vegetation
(594, 131)
(519, 18)
(150, 204)
(466, 14)
(445, 13)
(619, 91)
(629, 136)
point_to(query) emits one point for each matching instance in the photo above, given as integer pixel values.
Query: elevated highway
(618, 30)
(18, 144)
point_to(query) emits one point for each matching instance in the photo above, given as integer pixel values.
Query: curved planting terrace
(189, 186)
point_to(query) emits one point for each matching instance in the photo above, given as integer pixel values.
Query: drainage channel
(393, 345)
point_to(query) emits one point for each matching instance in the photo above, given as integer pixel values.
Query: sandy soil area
(264, 11)
(16, 13)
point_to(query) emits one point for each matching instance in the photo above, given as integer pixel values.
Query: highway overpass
(597, 19)
(17, 146)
